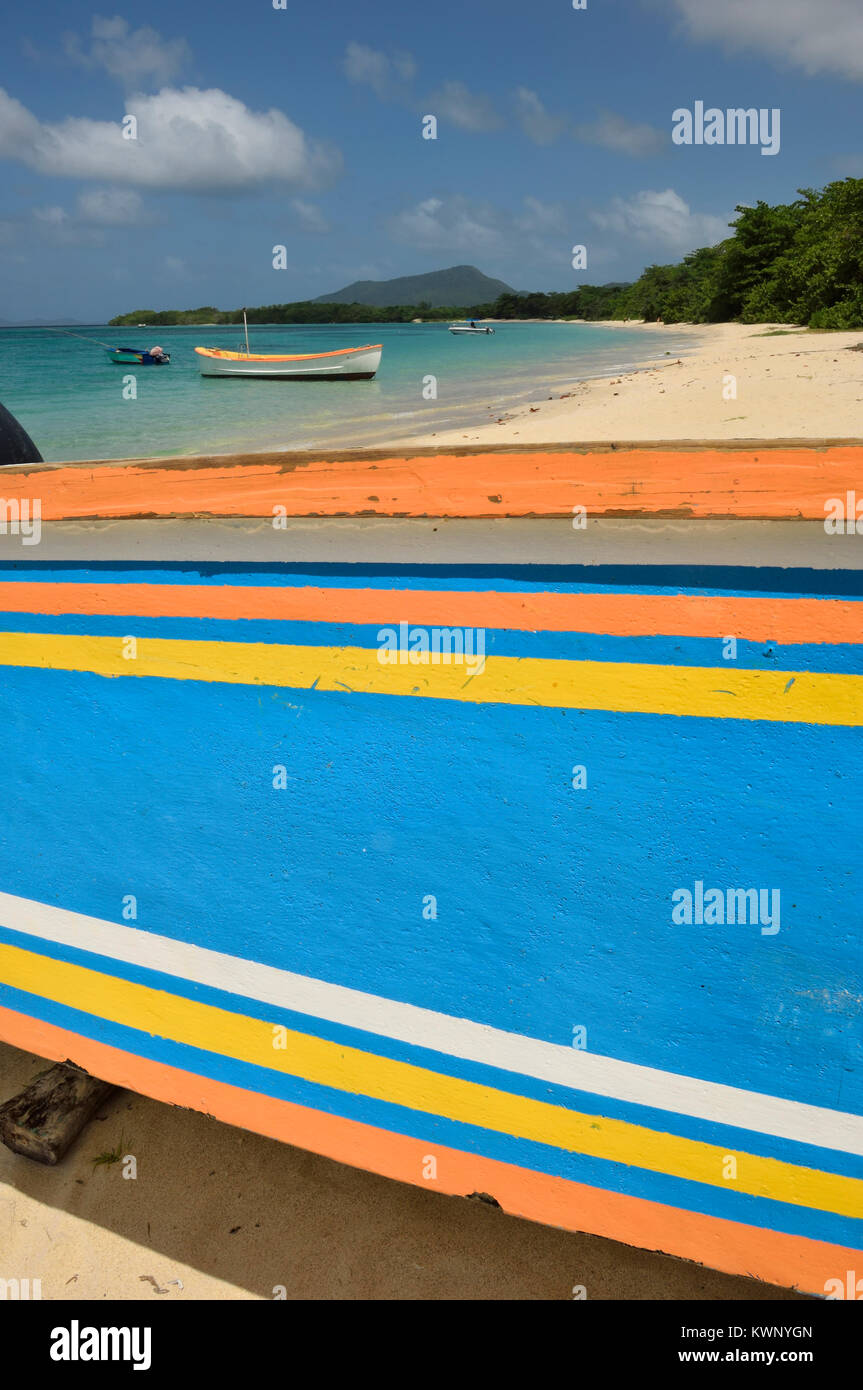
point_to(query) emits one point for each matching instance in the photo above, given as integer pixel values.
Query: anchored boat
(470, 328)
(351, 364)
(141, 357)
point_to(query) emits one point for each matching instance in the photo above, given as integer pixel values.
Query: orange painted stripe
(782, 481)
(625, 615)
(731, 1246)
(283, 357)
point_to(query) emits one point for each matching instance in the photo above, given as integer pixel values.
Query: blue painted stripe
(602, 1173)
(799, 582)
(668, 650)
(548, 917)
(669, 1122)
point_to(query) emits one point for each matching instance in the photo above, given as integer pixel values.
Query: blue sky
(302, 126)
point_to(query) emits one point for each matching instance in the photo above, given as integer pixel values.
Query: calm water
(69, 396)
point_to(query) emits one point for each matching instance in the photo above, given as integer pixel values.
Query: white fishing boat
(349, 364)
(359, 363)
(470, 328)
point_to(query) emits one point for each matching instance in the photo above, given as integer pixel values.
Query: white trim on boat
(457, 1037)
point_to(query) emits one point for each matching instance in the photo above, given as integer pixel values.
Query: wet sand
(216, 1213)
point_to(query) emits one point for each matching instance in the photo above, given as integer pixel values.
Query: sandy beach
(739, 381)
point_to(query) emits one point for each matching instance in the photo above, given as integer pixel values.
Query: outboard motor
(16, 446)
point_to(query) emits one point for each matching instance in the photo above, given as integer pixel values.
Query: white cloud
(615, 132)
(538, 232)
(386, 74)
(542, 231)
(189, 140)
(542, 218)
(19, 128)
(95, 210)
(310, 216)
(663, 219)
(111, 207)
(404, 66)
(536, 122)
(135, 57)
(52, 216)
(454, 224)
(819, 36)
(391, 77)
(59, 227)
(456, 103)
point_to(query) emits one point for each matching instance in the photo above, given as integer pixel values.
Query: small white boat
(350, 364)
(470, 328)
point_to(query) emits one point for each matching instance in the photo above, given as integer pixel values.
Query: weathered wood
(45, 1119)
(775, 480)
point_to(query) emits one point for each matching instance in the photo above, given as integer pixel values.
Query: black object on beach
(16, 446)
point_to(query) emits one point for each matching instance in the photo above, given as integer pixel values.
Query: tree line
(796, 263)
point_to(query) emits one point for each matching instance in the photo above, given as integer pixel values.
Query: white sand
(801, 384)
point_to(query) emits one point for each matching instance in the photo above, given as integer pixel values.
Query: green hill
(795, 263)
(460, 284)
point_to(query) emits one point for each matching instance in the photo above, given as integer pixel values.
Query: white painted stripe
(456, 1037)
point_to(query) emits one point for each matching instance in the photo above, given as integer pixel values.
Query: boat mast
(246, 326)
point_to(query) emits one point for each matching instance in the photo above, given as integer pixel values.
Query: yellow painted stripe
(417, 1088)
(787, 696)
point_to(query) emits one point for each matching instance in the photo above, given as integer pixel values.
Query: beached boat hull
(16, 446)
(457, 920)
(346, 364)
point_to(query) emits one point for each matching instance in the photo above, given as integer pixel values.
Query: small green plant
(110, 1155)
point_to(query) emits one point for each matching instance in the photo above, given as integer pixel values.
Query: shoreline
(739, 381)
(713, 383)
(527, 360)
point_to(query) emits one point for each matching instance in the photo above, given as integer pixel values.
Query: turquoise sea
(70, 397)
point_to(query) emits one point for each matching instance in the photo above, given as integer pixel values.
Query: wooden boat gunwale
(224, 354)
(692, 480)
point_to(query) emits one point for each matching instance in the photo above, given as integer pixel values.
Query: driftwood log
(43, 1120)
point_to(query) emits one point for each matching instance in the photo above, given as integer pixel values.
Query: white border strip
(456, 1037)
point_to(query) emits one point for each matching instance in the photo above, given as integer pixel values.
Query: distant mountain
(41, 323)
(459, 286)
